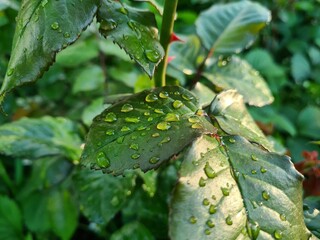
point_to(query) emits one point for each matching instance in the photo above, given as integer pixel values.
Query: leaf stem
(169, 13)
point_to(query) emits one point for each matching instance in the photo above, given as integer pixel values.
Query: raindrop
(196, 126)
(209, 171)
(187, 97)
(108, 25)
(177, 104)
(265, 195)
(123, 10)
(152, 55)
(200, 112)
(253, 171)
(115, 201)
(147, 113)
(135, 156)
(134, 146)
(110, 117)
(126, 108)
(163, 126)
(151, 97)
(155, 135)
(263, 170)
(254, 204)
(135, 166)
(110, 132)
(253, 230)
(134, 137)
(177, 93)
(125, 129)
(163, 95)
(154, 160)
(150, 119)
(10, 72)
(229, 220)
(55, 25)
(202, 182)
(193, 219)
(102, 160)
(254, 157)
(225, 191)
(277, 234)
(120, 139)
(157, 110)
(165, 140)
(210, 224)
(66, 35)
(212, 209)
(193, 119)
(132, 119)
(172, 117)
(140, 128)
(214, 197)
(207, 231)
(232, 140)
(283, 217)
(206, 202)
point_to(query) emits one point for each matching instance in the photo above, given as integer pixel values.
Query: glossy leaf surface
(43, 29)
(229, 28)
(144, 130)
(133, 30)
(234, 190)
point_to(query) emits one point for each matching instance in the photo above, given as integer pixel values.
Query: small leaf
(300, 67)
(102, 196)
(134, 31)
(132, 231)
(155, 4)
(88, 79)
(236, 191)
(312, 215)
(34, 138)
(229, 28)
(139, 131)
(43, 29)
(307, 126)
(236, 73)
(10, 219)
(231, 114)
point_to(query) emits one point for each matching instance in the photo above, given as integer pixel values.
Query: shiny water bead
(132, 119)
(232, 140)
(277, 234)
(200, 112)
(134, 146)
(207, 232)
(196, 126)
(164, 140)
(154, 160)
(163, 95)
(225, 191)
(210, 224)
(140, 128)
(10, 72)
(193, 119)
(229, 221)
(125, 129)
(265, 195)
(177, 104)
(206, 202)
(102, 160)
(152, 55)
(202, 182)
(163, 126)
(120, 139)
(110, 132)
(151, 97)
(254, 157)
(55, 25)
(209, 171)
(212, 209)
(127, 108)
(155, 135)
(110, 117)
(135, 166)
(150, 119)
(263, 170)
(283, 217)
(193, 219)
(158, 110)
(172, 117)
(187, 97)
(147, 113)
(253, 171)
(135, 156)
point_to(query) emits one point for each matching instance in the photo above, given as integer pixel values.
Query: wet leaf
(43, 29)
(144, 130)
(229, 28)
(229, 110)
(133, 30)
(312, 215)
(235, 190)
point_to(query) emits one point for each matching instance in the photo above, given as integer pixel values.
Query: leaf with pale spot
(144, 130)
(234, 190)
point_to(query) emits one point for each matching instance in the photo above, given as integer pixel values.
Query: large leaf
(300, 67)
(236, 73)
(307, 127)
(230, 28)
(102, 196)
(139, 131)
(34, 138)
(133, 30)
(43, 29)
(234, 190)
(132, 231)
(231, 114)
(10, 220)
(312, 215)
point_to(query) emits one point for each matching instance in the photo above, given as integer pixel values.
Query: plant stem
(169, 13)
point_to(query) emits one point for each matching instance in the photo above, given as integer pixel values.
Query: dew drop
(134, 137)
(209, 171)
(110, 117)
(158, 110)
(155, 135)
(108, 25)
(253, 171)
(277, 234)
(283, 217)
(229, 220)
(163, 126)
(253, 230)
(135, 166)
(265, 195)
(127, 108)
(102, 160)
(134, 146)
(150, 119)
(212, 209)
(147, 113)
(177, 104)
(202, 182)
(135, 156)
(132, 119)
(207, 232)
(187, 97)
(152, 55)
(172, 117)
(66, 35)
(151, 97)
(10, 72)
(140, 128)
(196, 126)
(254, 204)
(254, 157)
(163, 95)
(214, 197)
(110, 132)
(193, 119)
(263, 170)
(232, 140)
(125, 129)
(120, 139)
(210, 224)
(200, 112)
(55, 25)
(123, 10)
(154, 160)
(165, 140)
(206, 202)
(193, 219)
(115, 201)
(225, 191)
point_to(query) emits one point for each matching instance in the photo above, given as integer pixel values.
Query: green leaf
(238, 74)
(307, 124)
(229, 28)
(88, 79)
(95, 108)
(10, 219)
(102, 196)
(43, 29)
(139, 131)
(133, 30)
(158, 5)
(132, 231)
(312, 219)
(235, 190)
(300, 67)
(204, 93)
(229, 110)
(34, 138)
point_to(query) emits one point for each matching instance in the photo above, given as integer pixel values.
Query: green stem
(169, 13)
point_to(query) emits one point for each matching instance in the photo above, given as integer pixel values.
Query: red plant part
(310, 168)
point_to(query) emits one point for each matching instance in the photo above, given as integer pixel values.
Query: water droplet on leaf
(263, 170)
(229, 220)
(277, 234)
(210, 224)
(10, 72)
(55, 25)
(163, 126)
(151, 97)
(135, 156)
(253, 171)
(125, 129)
(225, 191)
(202, 182)
(177, 104)
(132, 119)
(152, 55)
(163, 95)
(283, 217)
(193, 119)
(102, 160)
(206, 202)
(196, 126)
(66, 35)
(155, 135)
(265, 195)
(209, 171)
(232, 140)
(154, 160)
(120, 139)
(172, 117)
(193, 219)
(127, 108)
(207, 231)
(187, 97)
(110, 117)
(212, 209)
(253, 230)
(254, 157)
(157, 110)
(123, 10)
(134, 146)
(110, 132)
(115, 201)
